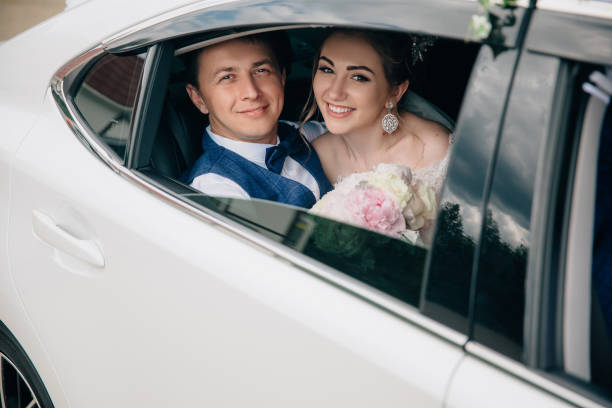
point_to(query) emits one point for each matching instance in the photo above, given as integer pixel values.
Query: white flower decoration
(479, 27)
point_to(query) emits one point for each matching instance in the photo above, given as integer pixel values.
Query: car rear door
(516, 355)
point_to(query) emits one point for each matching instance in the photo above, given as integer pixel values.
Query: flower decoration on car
(486, 24)
(386, 199)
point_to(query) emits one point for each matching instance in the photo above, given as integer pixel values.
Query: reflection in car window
(500, 293)
(388, 264)
(460, 217)
(107, 96)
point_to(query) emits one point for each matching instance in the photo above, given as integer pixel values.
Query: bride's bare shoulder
(327, 147)
(437, 139)
(435, 136)
(325, 144)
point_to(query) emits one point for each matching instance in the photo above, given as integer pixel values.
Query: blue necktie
(276, 155)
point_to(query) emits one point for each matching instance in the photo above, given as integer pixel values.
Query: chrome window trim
(61, 83)
(60, 86)
(532, 377)
(578, 265)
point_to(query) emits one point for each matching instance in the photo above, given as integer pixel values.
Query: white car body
(185, 311)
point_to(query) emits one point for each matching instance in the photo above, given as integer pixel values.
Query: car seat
(178, 141)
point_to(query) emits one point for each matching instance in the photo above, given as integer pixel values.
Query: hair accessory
(420, 44)
(390, 121)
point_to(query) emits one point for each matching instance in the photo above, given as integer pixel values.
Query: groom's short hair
(277, 41)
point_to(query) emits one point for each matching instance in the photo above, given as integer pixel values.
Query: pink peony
(375, 209)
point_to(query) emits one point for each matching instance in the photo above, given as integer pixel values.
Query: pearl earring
(390, 121)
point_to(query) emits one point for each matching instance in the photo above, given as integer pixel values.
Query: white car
(121, 286)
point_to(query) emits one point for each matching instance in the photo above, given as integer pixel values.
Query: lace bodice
(343, 204)
(433, 175)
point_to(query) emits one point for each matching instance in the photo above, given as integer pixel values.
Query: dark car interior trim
(552, 185)
(149, 106)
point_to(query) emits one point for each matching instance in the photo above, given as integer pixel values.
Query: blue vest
(258, 182)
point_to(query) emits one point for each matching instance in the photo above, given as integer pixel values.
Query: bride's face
(350, 85)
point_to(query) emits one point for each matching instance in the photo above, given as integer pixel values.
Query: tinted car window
(461, 216)
(500, 293)
(107, 96)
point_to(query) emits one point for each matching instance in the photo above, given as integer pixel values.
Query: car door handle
(51, 233)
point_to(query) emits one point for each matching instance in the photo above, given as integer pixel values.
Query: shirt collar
(255, 152)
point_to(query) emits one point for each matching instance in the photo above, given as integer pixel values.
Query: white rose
(428, 196)
(480, 27)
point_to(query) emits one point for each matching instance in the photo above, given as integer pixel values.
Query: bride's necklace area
(383, 152)
(364, 162)
(384, 156)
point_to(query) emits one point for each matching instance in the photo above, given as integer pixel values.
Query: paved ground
(19, 15)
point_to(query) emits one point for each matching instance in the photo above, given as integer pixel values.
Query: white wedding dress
(350, 201)
(432, 176)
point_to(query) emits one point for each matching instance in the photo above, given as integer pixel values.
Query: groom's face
(241, 89)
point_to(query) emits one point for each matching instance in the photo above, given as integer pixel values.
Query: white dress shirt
(216, 185)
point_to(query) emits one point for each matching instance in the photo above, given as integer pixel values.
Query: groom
(247, 153)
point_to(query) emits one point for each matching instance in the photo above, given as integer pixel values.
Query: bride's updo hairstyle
(398, 54)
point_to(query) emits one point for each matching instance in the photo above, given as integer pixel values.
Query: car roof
(594, 8)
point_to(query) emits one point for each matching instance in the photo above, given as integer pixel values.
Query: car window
(107, 96)
(390, 265)
(453, 256)
(499, 303)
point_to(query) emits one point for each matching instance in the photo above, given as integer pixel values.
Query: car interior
(177, 143)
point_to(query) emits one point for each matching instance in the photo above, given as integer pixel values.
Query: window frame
(65, 92)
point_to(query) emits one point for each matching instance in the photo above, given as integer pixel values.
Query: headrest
(414, 103)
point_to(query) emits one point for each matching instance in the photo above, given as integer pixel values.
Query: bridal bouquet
(385, 199)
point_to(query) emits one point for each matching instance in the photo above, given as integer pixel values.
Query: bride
(359, 80)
